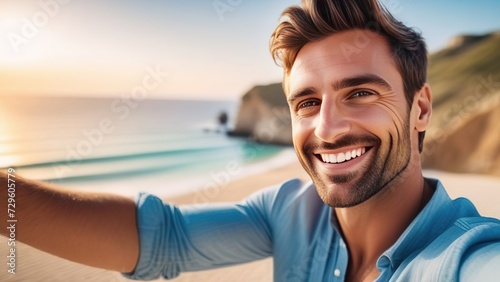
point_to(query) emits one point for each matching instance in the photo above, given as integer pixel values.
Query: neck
(372, 227)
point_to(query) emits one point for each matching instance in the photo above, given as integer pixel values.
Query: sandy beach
(34, 265)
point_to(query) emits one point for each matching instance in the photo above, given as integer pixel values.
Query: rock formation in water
(264, 116)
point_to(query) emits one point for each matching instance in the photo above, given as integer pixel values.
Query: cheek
(386, 115)
(301, 129)
(382, 120)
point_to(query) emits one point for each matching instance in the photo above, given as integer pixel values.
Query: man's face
(350, 119)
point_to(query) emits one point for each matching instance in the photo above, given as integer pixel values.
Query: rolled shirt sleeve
(188, 238)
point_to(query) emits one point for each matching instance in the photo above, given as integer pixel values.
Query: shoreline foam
(187, 182)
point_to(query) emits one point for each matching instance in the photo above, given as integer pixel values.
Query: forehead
(346, 54)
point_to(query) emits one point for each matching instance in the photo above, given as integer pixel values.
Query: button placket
(341, 262)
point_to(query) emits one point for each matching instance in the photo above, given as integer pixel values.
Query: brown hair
(318, 19)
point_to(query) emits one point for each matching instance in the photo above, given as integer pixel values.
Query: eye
(308, 103)
(362, 93)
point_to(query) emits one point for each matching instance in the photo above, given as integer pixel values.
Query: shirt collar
(437, 215)
(433, 220)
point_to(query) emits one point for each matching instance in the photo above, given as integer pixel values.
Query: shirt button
(336, 272)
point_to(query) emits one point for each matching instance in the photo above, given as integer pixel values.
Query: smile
(344, 156)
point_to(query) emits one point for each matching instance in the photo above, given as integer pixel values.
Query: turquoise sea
(125, 146)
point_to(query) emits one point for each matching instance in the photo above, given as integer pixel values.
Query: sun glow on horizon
(101, 48)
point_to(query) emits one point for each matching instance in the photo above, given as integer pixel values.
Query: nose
(331, 122)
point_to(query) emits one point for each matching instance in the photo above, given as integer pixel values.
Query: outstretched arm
(94, 229)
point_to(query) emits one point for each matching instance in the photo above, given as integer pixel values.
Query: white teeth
(341, 157)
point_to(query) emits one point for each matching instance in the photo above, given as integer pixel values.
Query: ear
(423, 100)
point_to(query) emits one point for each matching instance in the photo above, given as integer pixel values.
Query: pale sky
(103, 47)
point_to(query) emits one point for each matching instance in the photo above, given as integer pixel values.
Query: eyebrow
(300, 93)
(344, 83)
(360, 80)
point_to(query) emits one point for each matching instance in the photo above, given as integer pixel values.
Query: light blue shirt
(448, 240)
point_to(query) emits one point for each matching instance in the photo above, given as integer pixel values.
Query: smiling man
(351, 122)
(357, 137)
(355, 80)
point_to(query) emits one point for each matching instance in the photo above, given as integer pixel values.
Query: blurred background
(211, 49)
(159, 73)
(115, 92)
(129, 96)
(142, 92)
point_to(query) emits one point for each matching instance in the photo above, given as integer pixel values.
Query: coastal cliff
(464, 134)
(264, 116)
